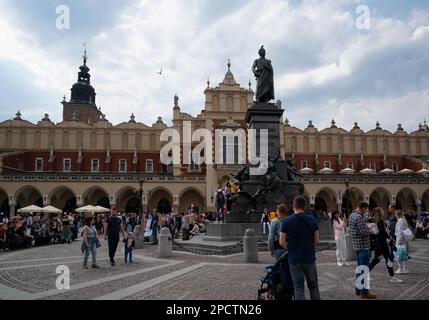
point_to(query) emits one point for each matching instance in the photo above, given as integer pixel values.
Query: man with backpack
(299, 234)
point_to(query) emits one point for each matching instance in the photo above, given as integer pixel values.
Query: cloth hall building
(85, 159)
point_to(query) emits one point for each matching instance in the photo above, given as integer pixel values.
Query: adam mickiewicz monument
(279, 184)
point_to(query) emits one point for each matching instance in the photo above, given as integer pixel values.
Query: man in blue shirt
(299, 234)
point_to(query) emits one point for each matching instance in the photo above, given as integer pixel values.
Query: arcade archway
(63, 198)
(406, 199)
(27, 196)
(191, 198)
(380, 197)
(326, 200)
(161, 200)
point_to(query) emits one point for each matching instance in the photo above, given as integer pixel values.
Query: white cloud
(323, 64)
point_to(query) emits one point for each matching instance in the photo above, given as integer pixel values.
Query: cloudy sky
(325, 67)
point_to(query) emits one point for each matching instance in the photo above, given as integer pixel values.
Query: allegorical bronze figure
(263, 71)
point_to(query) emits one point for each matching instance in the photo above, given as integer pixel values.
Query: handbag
(408, 234)
(402, 253)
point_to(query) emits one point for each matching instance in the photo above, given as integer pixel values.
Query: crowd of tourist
(37, 229)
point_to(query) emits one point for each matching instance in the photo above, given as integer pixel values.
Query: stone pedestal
(258, 192)
(165, 244)
(223, 232)
(350, 253)
(139, 236)
(250, 246)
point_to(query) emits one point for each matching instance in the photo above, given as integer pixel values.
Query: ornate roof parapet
(18, 116)
(159, 121)
(333, 125)
(378, 126)
(176, 102)
(132, 118)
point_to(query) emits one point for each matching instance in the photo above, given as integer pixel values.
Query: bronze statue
(264, 74)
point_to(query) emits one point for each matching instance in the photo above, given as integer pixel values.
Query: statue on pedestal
(264, 74)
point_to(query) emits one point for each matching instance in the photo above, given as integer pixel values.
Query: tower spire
(85, 57)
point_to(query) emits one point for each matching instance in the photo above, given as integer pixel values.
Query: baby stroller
(277, 283)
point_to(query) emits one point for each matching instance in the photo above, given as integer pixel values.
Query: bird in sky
(160, 72)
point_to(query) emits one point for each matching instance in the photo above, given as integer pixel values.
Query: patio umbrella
(29, 209)
(101, 209)
(50, 209)
(87, 208)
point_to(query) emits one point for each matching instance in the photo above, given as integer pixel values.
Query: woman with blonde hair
(401, 243)
(383, 245)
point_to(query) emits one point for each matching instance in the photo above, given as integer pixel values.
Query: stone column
(46, 201)
(79, 201)
(12, 208)
(112, 201)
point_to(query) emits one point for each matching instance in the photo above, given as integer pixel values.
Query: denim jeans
(91, 247)
(307, 271)
(155, 234)
(362, 259)
(128, 254)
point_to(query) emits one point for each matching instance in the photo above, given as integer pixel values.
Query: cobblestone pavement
(31, 274)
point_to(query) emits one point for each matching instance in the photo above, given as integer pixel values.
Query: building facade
(85, 159)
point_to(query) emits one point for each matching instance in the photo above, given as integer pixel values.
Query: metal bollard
(165, 244)
(250, 246)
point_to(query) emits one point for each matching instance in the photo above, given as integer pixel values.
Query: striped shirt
(359, 232)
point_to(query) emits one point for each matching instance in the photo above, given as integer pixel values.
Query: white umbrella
(386, 171)
(306, 170)
(406, 171)
(87, 208)
(101, 209)
(347, 171)
(423, 171)
(29, 209)
(50, 209)
(367, 171)
(326, 170)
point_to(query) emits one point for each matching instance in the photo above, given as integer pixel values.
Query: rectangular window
(304, 164)
(39, 165)
(66, 165)
(122, 165)
(395, 167)
(149, 166)
(95, 165)
(350, 165)
(327, 164)
(372, 166)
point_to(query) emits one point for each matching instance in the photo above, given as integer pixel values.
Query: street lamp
(141, 181)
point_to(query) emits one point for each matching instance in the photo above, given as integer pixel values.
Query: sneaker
(395, 280)
(95, 266)
(405, 271)
(112, 263)
(346, 263)
(368, 296)
(399, 271)
(131, 261)
(340, 264)
(84, 267)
